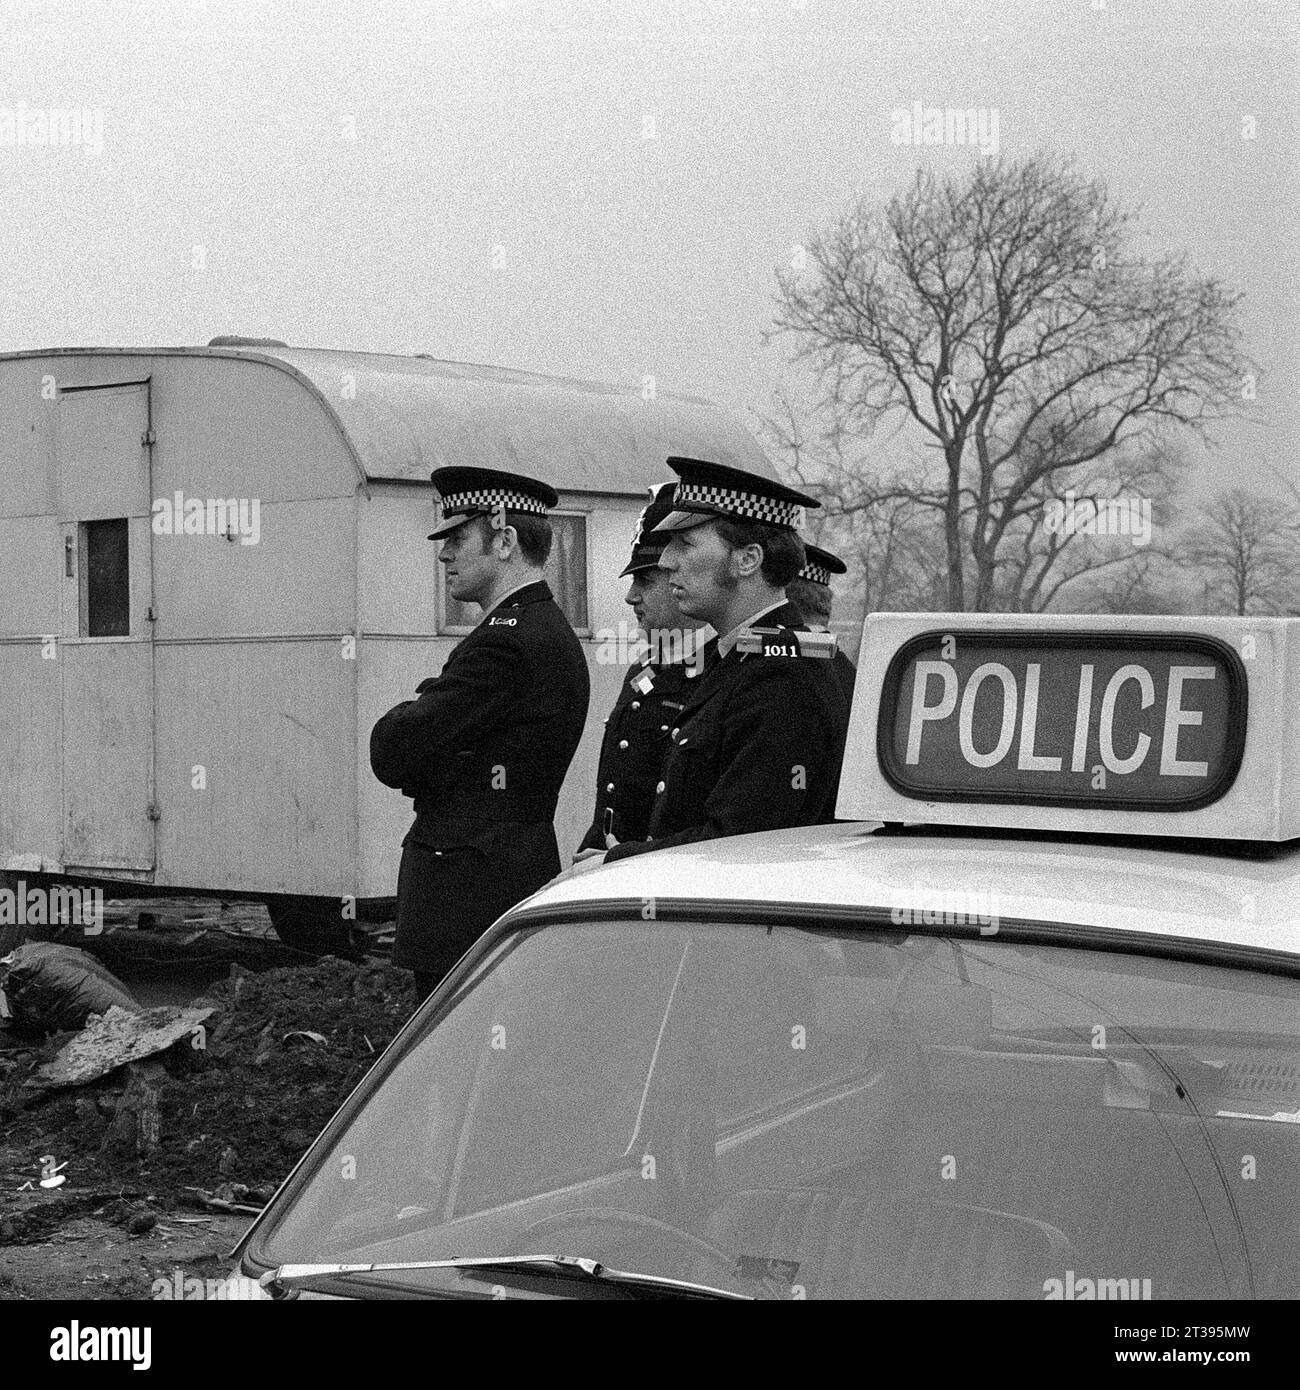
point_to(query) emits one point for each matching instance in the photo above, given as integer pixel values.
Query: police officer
(484, 748)
(810, 592)
(759, 742)
(654, 692)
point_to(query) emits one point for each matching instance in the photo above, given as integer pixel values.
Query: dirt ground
(88, 1257)
(165, 1161)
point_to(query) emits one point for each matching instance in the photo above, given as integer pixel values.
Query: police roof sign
(1149, 726)
(1106, 720)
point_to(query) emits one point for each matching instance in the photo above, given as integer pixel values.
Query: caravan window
(105, 579)
(566, 570)
(566, 573)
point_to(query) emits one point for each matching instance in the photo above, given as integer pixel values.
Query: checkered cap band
(815, 574)
(489, 499)
(750, 505)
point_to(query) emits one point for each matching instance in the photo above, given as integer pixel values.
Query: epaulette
(786, 641)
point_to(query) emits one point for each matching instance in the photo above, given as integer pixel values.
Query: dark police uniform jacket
(846, 673)
(482, 752)
(636, 741)
(757, 747)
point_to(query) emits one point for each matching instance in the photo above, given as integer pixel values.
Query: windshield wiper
(284, 1280)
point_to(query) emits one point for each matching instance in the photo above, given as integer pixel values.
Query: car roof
(1221, 895)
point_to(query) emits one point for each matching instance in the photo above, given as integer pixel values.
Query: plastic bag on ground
(53, 988)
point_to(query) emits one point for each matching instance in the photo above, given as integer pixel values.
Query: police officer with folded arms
(483, 748)
(654, 691)
(759, 742)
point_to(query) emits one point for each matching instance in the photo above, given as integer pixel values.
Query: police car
(1026, 1026)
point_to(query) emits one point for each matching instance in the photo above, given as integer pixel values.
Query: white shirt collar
(507, 594)
(726, 643)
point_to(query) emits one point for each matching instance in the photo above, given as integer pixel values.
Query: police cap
(709, 490)
(465, 493)
(647, 543)
(820, 564)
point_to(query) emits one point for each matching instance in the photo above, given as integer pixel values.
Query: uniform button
(663, 728)
(622, 743)
(659, 788)
(636, 704)
(610, 787)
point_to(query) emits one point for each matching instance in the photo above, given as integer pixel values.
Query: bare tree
(1006, 317)
(1151, 584)
(885, 535)
(1247, 554)
(884, 522)
(1290, 484)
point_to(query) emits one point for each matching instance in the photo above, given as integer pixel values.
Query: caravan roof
(405, 416)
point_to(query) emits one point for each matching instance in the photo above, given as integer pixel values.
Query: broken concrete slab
(113, 1039)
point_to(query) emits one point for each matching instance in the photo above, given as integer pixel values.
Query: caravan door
(103, 465)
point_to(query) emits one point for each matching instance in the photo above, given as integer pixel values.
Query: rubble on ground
(222, 1124)
(111, 1040)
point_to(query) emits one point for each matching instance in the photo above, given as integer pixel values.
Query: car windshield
(837, 1112)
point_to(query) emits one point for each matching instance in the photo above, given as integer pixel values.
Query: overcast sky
(602, 190)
